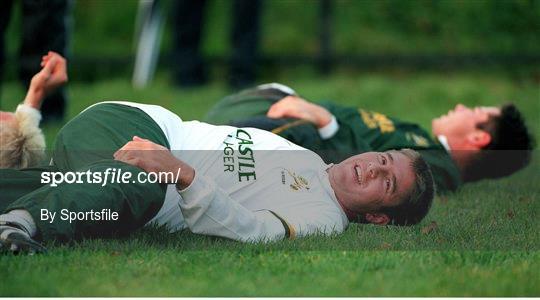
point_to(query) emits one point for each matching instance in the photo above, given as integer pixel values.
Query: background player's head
(486, 142)
(393, 187)
(22, 143)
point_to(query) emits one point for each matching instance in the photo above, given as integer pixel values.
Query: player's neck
(351, 216)
(462, 158)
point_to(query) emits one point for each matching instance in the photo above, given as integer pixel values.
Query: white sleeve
(209, 210)
(330, 129)
(278, 86)
(31, 115)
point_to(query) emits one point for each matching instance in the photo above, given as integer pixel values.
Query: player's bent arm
(52, 75)
(209, 210)
(299, 108)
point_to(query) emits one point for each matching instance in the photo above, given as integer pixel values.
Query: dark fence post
(325, 32)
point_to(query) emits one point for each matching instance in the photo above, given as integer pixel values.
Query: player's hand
(296, 107)
(153, 157)
(52, 75)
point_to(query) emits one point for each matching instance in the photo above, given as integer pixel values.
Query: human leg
(135, 203)
(99, 131)
(5, 16)
(44, 28)
(245, 41)
(188, 64)
(17, 183)
(86, 144)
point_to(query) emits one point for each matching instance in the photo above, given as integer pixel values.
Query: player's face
(367, 182)
(462, 120)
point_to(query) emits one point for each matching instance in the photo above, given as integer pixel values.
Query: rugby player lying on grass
(465, 145)
(243, 184)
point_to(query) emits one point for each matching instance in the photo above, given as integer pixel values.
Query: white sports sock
(21, 217)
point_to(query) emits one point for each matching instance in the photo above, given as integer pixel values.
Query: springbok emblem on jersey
(298, 182)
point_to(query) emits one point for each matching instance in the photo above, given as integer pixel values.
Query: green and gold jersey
(359, 131)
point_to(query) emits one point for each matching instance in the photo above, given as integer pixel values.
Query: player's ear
(479, 139)
(378, 218)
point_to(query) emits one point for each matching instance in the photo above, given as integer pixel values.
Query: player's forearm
(321, 116)
(33, 98)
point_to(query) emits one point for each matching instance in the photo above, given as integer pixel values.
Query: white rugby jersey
(249, 185)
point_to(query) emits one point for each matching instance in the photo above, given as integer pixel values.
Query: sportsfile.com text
(110, 175)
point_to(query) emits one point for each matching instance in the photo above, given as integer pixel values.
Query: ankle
(21, 218)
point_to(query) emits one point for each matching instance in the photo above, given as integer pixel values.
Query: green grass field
(481, 241)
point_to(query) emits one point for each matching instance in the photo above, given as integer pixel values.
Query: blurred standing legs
(44, 28)
(188, 64)
(245, 41)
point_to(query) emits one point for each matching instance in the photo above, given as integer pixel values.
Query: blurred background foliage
(493, 31)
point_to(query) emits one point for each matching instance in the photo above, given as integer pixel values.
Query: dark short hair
(509, 150)
(417, 203)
